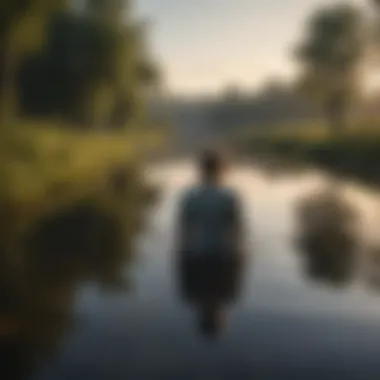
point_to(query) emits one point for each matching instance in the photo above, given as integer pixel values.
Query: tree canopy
(330, 56)
(88, 69)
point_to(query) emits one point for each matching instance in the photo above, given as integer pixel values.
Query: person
(210, 214)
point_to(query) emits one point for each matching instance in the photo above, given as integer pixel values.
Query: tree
(90, 69)
(22, 30)
(375, 37)
(131, 69)
(331, 54)
(10, 12)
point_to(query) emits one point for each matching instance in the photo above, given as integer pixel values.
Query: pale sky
(204, 45)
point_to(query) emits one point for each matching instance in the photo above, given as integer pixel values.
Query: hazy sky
(206, 44)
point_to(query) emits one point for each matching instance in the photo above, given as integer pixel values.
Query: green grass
(355, 152)
(311, 131)
(43, 168)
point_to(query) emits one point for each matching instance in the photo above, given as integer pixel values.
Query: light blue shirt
(210, 220)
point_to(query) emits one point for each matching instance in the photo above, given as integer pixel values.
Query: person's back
(210, 214)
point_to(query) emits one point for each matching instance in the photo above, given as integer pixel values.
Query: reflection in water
(328, 237)
(88, 243)
(210, 286)
(372, 271)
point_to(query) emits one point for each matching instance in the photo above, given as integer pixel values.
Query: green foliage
(330, 54)
(85, 69)
(147, 72)
(10, 10)
(333, 41)
(66, 72)
(42, 167)
(59, 80)
(352, 153)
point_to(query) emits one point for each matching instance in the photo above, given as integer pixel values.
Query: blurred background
(103, 103)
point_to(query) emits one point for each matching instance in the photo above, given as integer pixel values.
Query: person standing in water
(210, 215)
(210, 240)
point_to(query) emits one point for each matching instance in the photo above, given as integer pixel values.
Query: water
(127, 315)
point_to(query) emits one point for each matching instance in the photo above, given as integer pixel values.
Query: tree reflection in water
(56, 256)
(210, 286)
(327, 237)
(372, 267)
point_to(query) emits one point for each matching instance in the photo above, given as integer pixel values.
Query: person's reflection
(327, 237)
(210, 286)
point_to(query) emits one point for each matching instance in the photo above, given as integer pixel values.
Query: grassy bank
(355, 153)
(71, 206)
(43, 168)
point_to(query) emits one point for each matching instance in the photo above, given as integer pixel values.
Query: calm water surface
(275, 319)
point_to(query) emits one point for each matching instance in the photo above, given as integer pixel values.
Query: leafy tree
(10, 11)
(132, 68)
(331, 54)
(91, 70)
(58, 80)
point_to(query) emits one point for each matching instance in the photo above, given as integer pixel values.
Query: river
(277, 318)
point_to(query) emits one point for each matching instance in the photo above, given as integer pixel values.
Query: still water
(135, 315)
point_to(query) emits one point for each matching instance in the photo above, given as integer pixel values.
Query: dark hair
(212, 162)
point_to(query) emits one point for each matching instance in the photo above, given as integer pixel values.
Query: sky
(206, 45)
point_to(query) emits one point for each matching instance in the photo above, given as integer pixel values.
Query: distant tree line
(276, 103)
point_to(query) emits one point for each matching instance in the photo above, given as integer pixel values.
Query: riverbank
(354, 154)
(71, 205)
(45, 168)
